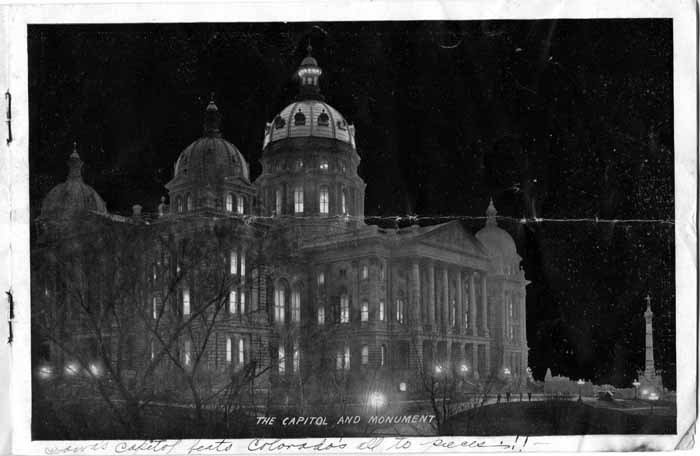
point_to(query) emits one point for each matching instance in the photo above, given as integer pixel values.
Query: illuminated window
(365, 355)
(344, 308)
(179, 204)
(321, 278)
(343, 204)
(295, 358)
(278, 201)
(321, 315)
(186, 301)
(190, 203)
(239, 204)
(300, 164)
(233, 261)
(155, 307)
(296, 306)
(399, 310)
(232, 301)
(323, 200)
(228, 349)
(242, 265)
(187, 353)
(346, 358)
(299, 200)
(453, 314)
(365, 272)
(382, 355)
(242, 303)
(323, 165)
(241, 351)
(381, 310)
(229, 202)
(280, 359)
(153, 349)
(364, 313)
(279, 304)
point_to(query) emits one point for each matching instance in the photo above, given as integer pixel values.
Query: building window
(365, 355)
(365, 272)
(187, 353)
(343, 204)
(179, 204)
(279, 122)
(232, 301)
(323, 165)
(339, 361)
(229, 349)
(298, 200)
(242, 303)
(321, 278)
(280, 359)
(295, 358)
(346, 358)
(229, 202)
(186, 301)
(323, 200)
(382, 355)
(344, 308)
(321, 314)
(233, 261)
(242, 265)
(399, 310)
(278, 201)
(153, 349)
(296, 306)
(381, 271)
(381, 310)
(323, 119)
(190, 203)
(240, 205)
(241, 351)
(300, 164)
(279, 303)
(155, 308)
(453, 313)
(299, 118)
(364, 313)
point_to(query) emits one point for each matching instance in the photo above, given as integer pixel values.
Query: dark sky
(557, 120)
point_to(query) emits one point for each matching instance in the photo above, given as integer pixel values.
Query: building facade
(282, 273)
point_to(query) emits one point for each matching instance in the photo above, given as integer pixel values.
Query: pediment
(451, 236)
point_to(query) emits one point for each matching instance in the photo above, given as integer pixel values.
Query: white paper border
(15, 175)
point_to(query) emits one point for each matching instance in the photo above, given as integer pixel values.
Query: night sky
(557, 120)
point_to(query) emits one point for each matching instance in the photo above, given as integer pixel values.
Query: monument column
(472, 304)
(415, 286)
(431, 295)
(445, 298)
(459, 317)
(484, 306)
(649, 369)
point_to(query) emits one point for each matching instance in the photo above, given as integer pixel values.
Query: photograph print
(352, 229)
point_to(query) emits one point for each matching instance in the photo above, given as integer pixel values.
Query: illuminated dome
(72, 196)
(309, 116)
(211, 157)
(499, 244)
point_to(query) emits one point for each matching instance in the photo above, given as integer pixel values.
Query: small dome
(72, 196)
(309, 118)
(210, 159)
(497, 241)
(309, 61)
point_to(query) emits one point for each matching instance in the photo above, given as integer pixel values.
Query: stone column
(484, 306)
(445, 298)
(459, 317)
(522, 310)
(487, 361)
(475, 358)
(416, 301)
(431, 295)
(472, 304)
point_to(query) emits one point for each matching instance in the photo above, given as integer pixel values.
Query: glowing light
(506, 371)
(636, 383)
(45, 372)
(95, 369)
(438, 369)
(72, 368)
(464, 368)
(402, 386)
(377, 400)
(580, 382)
(653, 397)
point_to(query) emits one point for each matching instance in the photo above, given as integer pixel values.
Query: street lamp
(653, 397)
(376, 401)
(580, 384)
(636, 384)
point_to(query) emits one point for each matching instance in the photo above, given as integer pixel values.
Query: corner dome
(211, 157)
(498, 242)
(72, 196)
(309, 116)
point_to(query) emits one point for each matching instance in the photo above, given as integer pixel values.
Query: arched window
(399, 310)
(241, 351)
(323, 119)
(232, 301)
(364, 312)
(321, 315)
(321, 278)
(299, 200)
(279, 122)
(179, 204)
(344, 308)
(233, 261)
(229, 202)
(365, 355)
(299, 118)
(242, 294)
(343, 203)
(278, 201)
(381, 311)
(240, 204)
(229, 349)
(296, 305)
(342, 124)
(279, 303)
(189, 203)
(323, 200)
(242, 266)
(382, 355)
(365, 272)
(186, 301)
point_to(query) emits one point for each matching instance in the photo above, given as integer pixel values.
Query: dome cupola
(73, 196)
(211, 172)
(498, 243)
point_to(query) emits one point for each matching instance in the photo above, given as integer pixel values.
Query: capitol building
(275, 278)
